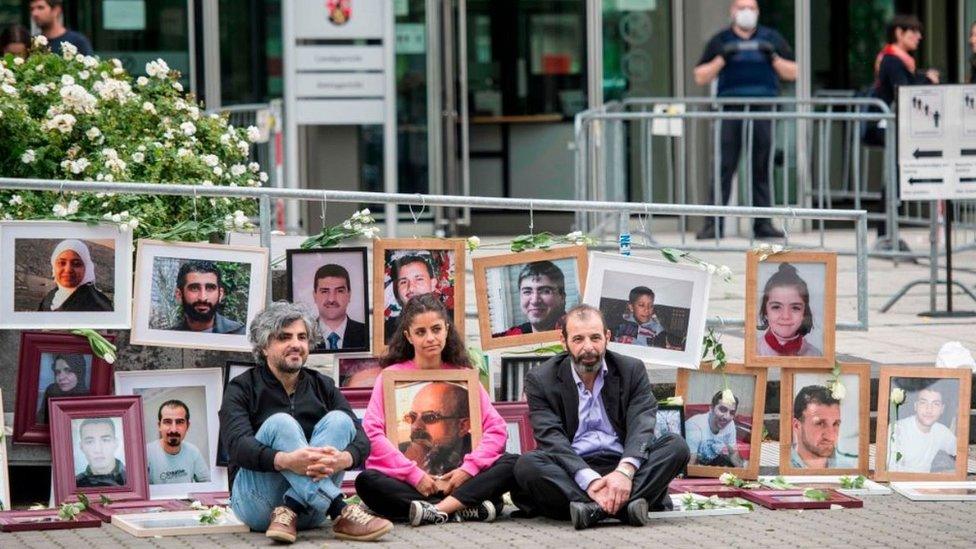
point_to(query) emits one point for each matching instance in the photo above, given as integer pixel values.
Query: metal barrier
(266, 195)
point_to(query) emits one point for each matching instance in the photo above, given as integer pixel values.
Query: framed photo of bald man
(433, 416)
(195, 295)
(333, 283)
(406, 267)
(825, 421)
(523, 297)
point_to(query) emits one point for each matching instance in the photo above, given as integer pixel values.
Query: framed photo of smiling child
(791, 301)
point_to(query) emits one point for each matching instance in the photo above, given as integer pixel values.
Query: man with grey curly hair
(290, 435)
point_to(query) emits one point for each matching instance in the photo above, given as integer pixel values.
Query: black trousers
(547, 489)
(391, 498)
(731, 147)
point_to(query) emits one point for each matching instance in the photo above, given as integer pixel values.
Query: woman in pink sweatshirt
(456, 481)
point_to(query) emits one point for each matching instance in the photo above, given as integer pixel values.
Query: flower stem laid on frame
(99, 345)
(546, 240)
(815, 495)
(360, 224)
(675, 255)
(852, 483)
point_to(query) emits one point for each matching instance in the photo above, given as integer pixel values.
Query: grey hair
(269, 322)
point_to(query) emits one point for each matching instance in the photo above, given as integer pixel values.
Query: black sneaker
(766, 230)
(424, 512)
(483, 513)
(636, 513)
(585, 515)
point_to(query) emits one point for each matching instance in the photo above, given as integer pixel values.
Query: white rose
(93, 133)
(473, 242)
(177, 86)
(68, 50)
(188, 128)
(149, 107)
(253, 134)
(237, 170)
(263, 177)
(218, 171)
(254, 167)
(15, 200)
(84, 75)
(28, 157)
(724, 272)
(138, 157)
(838, 391)
(142, 81)
(18, 61)
(73, 207)
(67, 80)
(897, 396)
(728, 398)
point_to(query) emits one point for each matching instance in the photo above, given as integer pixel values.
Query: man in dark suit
(331, 294)
(593, 417)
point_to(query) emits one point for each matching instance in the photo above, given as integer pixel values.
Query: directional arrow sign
(968, 152)
(927, 154)
(920, 181)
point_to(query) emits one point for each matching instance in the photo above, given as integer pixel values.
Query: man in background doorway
(48, 15)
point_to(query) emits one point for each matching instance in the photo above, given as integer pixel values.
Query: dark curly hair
(401, 350)
(787, 275)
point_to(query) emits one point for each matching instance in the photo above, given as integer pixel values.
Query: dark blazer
(554, 407)
(353, 338)
(85, 298)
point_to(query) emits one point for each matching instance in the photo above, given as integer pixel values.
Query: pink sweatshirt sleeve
(383, 455)
(494, 436)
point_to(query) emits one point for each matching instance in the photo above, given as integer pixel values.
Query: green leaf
(814, 494)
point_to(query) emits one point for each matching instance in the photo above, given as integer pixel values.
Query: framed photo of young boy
(824, 427)
(791, 303)
(448, 398)
(405, 267)
(655, 310)
(196, 295)
(333, 282)
(54, 365)
(62, 275)
(523, 297)
(923, 423)
(723, 419)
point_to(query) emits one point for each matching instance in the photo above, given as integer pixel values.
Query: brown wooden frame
(863, 372)
(10, 521)
(518, 412)
(751, 471)
(829, 259)
(704, 487)
(210, 499)
(767, 498)
(964, 375)
(381, 246)
(105, 511)
(480, 268)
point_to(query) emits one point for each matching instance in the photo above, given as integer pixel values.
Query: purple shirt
(595, 433)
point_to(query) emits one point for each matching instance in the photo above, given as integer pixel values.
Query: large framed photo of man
(655, 311)
(403, 268)
(62, 275)
(723, 419)
(923, 423)
(201, 296)
(180, 424)
(433, 416)
(825, 421)
(523, 297)
(333, 283)
(791, 302)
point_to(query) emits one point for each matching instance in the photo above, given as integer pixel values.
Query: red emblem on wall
(340, 11)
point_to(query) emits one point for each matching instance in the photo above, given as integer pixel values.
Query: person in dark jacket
(290, 435)
(48, 15)
(69, 380)
(74, 273)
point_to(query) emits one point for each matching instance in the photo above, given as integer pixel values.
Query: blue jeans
(257, 493)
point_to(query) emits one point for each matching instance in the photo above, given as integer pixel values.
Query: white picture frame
(32, 266)
(157, 386)
(870, 487)
(184, 523)
(143, 333)
(684, 289)
(679, 511)
(922, 491)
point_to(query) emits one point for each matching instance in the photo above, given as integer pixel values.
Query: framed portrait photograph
(98, 449)
(795, 499)
(358, 401)
(45, 519)
(433, 416)
(513, 371)
(823, 429)
(523, 297)
(333, 282)
(177, 523)
(62, 275)
(723, 431)
(105, 511)
(670, 419)
(180, 425)
(520, 436)
(655, 310)
(923, 423)
(201, 296)
(54, 365)
(936, 491)
(234, 368)
(405, 267)
(358, 372)
(791, 304)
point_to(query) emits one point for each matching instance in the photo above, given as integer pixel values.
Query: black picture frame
(513, 372)
(680, 409)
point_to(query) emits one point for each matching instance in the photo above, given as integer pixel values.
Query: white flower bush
(78, 117)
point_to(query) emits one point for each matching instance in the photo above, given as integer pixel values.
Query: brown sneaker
(283, 525)
(357, 524)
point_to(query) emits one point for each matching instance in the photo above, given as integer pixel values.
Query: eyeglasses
(429, 418)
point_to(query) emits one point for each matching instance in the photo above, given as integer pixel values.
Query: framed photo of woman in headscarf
(64, 275)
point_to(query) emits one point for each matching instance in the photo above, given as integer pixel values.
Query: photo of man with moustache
(172, 459)
(200, 291)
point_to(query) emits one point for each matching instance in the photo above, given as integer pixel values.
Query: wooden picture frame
(492, 297)
(687, 377)
(105, 511)
(302, 265)
(447, 280)
(210, 498)
(681, 511)
(827, 317)
(65, 412)
(794, 499)
(33, 348)
(407, 380)
(936, 491)
(859, 416)
(516, 416)
(890, 375)
(358, 401)
(704, 487)
(183, 523)
(513, 371)
(45, 519)
(367, 369)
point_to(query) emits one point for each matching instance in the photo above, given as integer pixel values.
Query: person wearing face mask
(748, 60)
(593, 416)
(74, 274)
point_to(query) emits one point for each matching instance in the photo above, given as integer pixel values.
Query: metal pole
(264, 204)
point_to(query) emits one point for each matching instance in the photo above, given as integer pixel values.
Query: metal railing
(266, 195)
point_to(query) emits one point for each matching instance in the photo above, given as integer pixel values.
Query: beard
(587, 362)
(284, 366)
(173, 440)
(191, 312)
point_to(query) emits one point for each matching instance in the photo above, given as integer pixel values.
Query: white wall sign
(937, 142)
